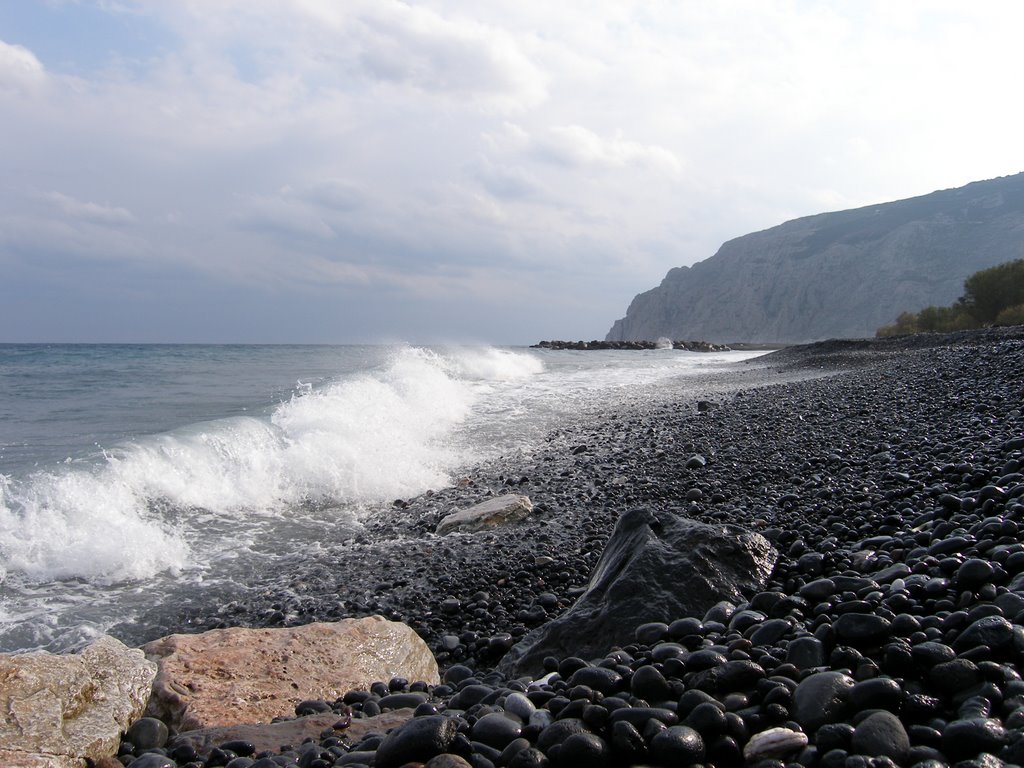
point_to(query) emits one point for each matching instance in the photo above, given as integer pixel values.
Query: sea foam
(369, 438)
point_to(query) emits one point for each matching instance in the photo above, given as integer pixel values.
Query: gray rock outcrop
(235, 676)
(656, 567)
(836, 275)
(59, 710)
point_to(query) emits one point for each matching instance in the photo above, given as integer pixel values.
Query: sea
(129, 471)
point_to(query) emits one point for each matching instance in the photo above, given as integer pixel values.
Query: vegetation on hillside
(993, 296)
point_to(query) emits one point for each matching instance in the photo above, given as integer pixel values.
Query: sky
(346, 171)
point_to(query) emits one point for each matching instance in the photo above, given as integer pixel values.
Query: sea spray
(366, 439)
(284, 453)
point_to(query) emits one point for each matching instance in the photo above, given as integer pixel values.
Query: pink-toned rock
(237, 676)
(271, 736)
(58, 710)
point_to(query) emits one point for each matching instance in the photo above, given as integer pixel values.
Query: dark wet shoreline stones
(890, 631)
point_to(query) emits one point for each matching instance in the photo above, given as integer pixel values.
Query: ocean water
(128, 469)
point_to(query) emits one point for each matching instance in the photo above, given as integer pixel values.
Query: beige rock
(500, 510)
(236, 676)
(271, 736)
(9, 757)
(57, 710)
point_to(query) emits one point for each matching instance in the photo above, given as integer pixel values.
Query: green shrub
(991, 296)
(990, 291)
(1011, 316)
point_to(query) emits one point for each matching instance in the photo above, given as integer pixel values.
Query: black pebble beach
(888, 474)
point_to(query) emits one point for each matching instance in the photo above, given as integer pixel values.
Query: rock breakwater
(889, 632)
(690, 346)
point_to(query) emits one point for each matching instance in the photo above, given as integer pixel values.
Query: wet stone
(677, 745)
(417, 741)
(147, 733)
(584, 750)
(862, 629)
(805, 652)
(496, 730)
(821, 698)
(881, 734)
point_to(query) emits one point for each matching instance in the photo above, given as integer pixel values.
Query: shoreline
(887, 475)
(580, 482)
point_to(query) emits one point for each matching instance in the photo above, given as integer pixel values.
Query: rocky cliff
(836, 275)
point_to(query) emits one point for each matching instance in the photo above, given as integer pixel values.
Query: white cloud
(574, 145)
(443, 145)
(19, 68)
(95, 213)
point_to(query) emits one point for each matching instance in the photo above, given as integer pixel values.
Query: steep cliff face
(836, 275)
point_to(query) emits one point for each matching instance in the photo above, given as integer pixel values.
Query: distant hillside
(836, 275)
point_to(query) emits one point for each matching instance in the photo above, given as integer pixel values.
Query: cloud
(94, 213)
(334, 194)
(507, 182)
(576, 146)
(20, 70)
(282, 217)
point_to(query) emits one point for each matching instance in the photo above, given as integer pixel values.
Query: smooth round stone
(770, 632)
(559, 731)
(805, 652)
(602, 679)
(877, 693)
(312, 707)
(627, 742)
(147, 733)
(640, 716)
(773, 743)
(681, 628)
(666, 651)
(154, 760)
(930, 653)
(833, 736)
(651, 633)
(583, 750)
(456, 673)
(707, 719)
(974, 572)
(416, 741)
(496, 730)
(964, 739)
(519, 705)
(704, 659)
(736, 675)
(993, 631)
(954, 676)
(881, 734)
(470, 695)
(648, 683)
(401, 701)
(528, 758)
(239, 747)
(821, 698)
(677, 745)
(447, 761)
(515, 746)
(862, 629)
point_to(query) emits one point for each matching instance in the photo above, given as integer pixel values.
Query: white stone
(500, 510)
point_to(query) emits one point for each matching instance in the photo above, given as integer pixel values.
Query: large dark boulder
(657, 566)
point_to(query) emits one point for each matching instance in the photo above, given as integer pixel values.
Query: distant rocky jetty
(690, 346)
